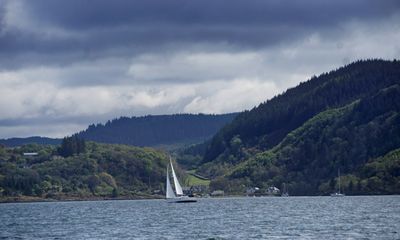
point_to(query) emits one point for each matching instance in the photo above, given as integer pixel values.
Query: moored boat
(338, 194)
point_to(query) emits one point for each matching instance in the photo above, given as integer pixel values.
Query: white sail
(169, 191)
(178, 188)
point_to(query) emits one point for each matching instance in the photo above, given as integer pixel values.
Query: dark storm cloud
(51, 31)
(88, 14)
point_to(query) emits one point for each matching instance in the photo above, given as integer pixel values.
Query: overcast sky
(65, 64)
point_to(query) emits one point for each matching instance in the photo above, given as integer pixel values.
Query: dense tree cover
(347, 119)
(190, 157)
(347, 138)
(14, 142)
(103, 170)
(157, 130)
(266, 125)
(72, 145)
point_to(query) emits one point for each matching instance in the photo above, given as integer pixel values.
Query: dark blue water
(372, 217)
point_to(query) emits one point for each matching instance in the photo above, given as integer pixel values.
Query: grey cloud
(87, 14)
(45, 120)
(61, 32)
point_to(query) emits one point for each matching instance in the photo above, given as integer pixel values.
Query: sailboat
(338, 194)
(170, 195)
(285, 192)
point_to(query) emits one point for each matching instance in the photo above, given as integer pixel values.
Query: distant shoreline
(30, 199)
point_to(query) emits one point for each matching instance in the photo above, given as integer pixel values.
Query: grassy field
(193, 180)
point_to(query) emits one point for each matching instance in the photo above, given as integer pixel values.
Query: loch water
(350, 217)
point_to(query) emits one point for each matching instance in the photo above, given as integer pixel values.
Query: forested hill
(266, 125)
(157, 130)
(347, 119)
(81, 170)
(144, 131)
(13, 142)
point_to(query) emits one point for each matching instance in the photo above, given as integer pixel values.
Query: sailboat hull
(186, 201)
(337, 195)
(183, 199)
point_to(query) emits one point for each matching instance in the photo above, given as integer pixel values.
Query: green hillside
(347, 119)
(101, 170)
(266, 125)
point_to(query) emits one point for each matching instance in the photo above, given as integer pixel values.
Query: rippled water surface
(370, 217)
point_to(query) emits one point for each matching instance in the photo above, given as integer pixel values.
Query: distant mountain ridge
(151, 130)
(157, 130)
(14, 142)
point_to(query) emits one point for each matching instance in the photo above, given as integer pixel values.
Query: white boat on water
(170, 195)
(338, 194)
(285, 192)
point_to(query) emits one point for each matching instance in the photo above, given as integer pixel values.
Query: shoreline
(31, 199)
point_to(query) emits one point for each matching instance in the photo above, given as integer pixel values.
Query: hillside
(266, 125)
(345, 119)
(14, 142)
(100, 171)
(157, 130)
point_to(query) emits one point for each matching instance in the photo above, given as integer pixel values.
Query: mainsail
(178, 187)
(176, 196)
(169, 192)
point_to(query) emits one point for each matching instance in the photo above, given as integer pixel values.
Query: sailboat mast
(339, 179)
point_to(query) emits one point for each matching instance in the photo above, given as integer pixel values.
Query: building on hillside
(252, 191)
(273, 191)
(218, 193)
(28, 154)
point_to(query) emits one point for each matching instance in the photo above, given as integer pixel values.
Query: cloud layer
(72, 63)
